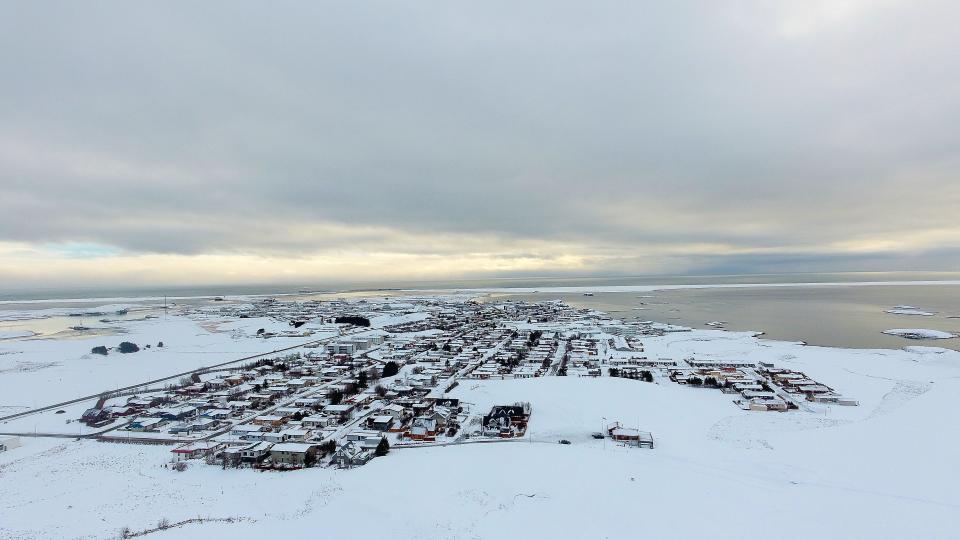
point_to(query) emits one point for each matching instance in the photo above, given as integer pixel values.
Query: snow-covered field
(885, 469)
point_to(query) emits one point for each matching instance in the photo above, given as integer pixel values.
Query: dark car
(564, 441)
(597, 435)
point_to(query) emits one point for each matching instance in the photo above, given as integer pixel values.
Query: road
(557, 357)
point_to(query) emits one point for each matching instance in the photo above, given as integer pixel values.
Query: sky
(304, 142)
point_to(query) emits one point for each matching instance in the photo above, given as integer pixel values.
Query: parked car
(564, 441)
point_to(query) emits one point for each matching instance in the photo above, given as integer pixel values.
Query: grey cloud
(221, 127)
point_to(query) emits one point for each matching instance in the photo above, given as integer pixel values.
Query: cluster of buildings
(798, 384)
(345, 400)
(760, 386)
(335, 403)
(733, 378)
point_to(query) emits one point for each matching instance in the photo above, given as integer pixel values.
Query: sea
(827, 309)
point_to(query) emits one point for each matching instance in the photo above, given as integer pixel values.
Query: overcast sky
(222, 142)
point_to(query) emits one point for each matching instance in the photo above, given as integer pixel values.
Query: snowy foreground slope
(885, 469)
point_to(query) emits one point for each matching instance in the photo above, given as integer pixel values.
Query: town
(344, 400)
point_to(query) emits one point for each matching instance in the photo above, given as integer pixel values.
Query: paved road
(557, 357)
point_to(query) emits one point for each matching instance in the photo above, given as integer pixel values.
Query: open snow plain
(884, 469)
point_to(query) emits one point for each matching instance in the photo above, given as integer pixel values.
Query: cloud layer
(442, 140)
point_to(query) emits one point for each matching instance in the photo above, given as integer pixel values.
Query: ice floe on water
(919, 333)
(909, 310)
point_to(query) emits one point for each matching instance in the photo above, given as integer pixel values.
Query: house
(231, 456)
(146, 424)
(394, 410)
(631, 436)
(294, 454)
(343, 410)
(204, 424)
(421, 433)
(361, 434)
(832, 399)
(341, 348)
(422, 381)
(196, 449)
(274, 437)
(240, 406)
(295, 434)
(381, 422)
(423, 429)
(307, 402)
(256, 452)
(177, 413)
(93, 416)
(443, 416)
(317, 421)
(143, 402)
(269, 420)
(247, 431)
(507, 420)
(289, 411)
(370, 444)
(766, 404)
(217, 414)
(351, 455)
(277, 391)
(119, 410)
(421, 407)
(179, 429)
(234, 379)
(359, 399)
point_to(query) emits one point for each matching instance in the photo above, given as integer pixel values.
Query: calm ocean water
(12, 294)
(834, 315)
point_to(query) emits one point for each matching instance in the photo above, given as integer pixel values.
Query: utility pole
(603, 429)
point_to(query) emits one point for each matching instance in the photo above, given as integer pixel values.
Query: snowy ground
(885, 469)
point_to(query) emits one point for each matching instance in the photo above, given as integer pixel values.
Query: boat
(588, 294)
